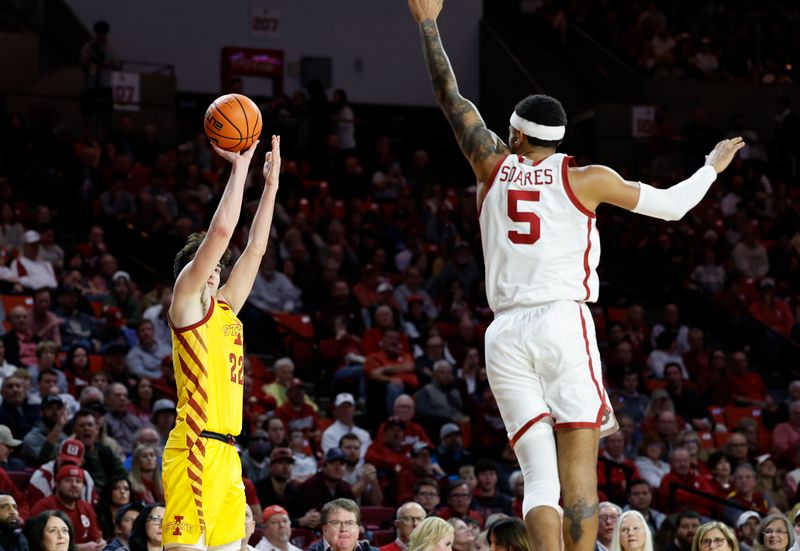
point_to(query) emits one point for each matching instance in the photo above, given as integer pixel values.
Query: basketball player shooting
(541, 249)
(202, 475)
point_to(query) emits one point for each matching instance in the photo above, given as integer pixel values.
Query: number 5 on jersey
(532, 219)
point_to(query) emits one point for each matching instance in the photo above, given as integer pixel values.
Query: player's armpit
(595, 184)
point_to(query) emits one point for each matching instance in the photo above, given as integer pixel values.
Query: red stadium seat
(718, 414)
(21, 478)
(374, 518)
(734, 414)
(707, 439)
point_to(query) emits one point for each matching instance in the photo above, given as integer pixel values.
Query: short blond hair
(428, 533)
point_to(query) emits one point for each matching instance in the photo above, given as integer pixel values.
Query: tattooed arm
(482, 148)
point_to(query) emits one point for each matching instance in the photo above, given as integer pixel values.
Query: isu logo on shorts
(178, 526)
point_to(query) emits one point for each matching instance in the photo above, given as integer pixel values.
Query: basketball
(233, 122)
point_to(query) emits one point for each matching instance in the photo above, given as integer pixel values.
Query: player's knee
(536, 452)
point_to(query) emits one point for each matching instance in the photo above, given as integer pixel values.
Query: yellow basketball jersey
(208, 359)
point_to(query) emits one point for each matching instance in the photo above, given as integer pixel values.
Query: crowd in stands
(679, 39)
(367, 403)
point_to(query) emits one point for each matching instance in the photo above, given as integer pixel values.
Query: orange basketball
(233, 122)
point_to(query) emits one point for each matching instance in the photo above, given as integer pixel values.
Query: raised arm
(186, 307)
(240, 282)
(482, 148)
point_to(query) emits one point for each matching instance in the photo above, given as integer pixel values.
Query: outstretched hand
(234, 157)
(425, 9)
(723, 153)
(272, 163)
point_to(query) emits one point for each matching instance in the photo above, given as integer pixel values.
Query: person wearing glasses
(774, 534)
(631, 533)
(608, 514)
(459, 501)
(426, 493)
(409, 516)
(715, 535)
(146, 533)
(341, 524)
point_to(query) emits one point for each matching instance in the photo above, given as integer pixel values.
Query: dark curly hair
(188, 251)
(545, 110)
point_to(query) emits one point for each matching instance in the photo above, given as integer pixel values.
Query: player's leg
(181, 529)
(577, 472)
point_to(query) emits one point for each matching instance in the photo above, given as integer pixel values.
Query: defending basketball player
(202, 474)
(541, 248)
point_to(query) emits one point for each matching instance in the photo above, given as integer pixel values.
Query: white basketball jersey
(539, 243)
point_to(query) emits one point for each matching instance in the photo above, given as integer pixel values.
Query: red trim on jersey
(495, 170)
(526, 426)
(200, 340)
(194, 325)
(591, 365)
(568, 162)
(561, 426)
(193, 378)
(586, 270)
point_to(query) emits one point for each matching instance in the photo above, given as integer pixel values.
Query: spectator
(67, 498)
(146, 475)
(146, 532)
(775, 534)
(123, 526)
(715, 535)
(283, 368)
(672, 498)
(142, 400)
(344, 413)
(362, 477)
(786, 436)
(688, 402)
(296, 413)
(40, 444)
(486, 497)
(771, 310)
(405, 409)
(124, 296)
(439, 402)
(747, 386)
(44, 323)
(420, 468)
(631, 533)
(20, 342)
(33, 273)
(634, 403)
(434, 351)
(57, 379)
(392, 369)
(737, 449)
(666, 352)
(388, 455)
(42, 482)
(76, 367)
(6, 369)
(158, 315)
(614, 470)
(670, 321)
(121, 424)
(10, 522)
(76, 326)
(640, 498)
(450, 453)
(164, 414)
(341, 519)
(687, 523)
(769, 483)
(459, 499)
(99, 460)
(426, 493)
(276, 489)
(608, 514)
(409, 516)
(719, 467)
(276, 531)
(116, 496)
(255, 459)
(745, 494)
(144, 359)
(747, 530)
(15, 412)
(749, 256)
(51, 531)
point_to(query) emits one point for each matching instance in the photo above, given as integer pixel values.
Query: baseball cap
(297, 383)
(51, 399)
(385, 286)
(344, 398)
(71, 452)
(419, 447)
(121, 274)
(767, 282)
(744, 517)
(31, 236)
(163, 404)
(448, 429)
(137, 506)
(273, 510)
(334, 454)
(69, 470)
(395, 421)
(281, 454)
(7, 438)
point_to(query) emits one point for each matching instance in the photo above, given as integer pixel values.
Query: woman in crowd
(146, 531)
(719, 470)
(50, 531)
(688, 439)
(715, 535)
(463, 537)
(508, 534)
(142, 400)
(770, 483)
(650, 463)
(76, 367)
(146, 475)
(659, 401)
(432, 534)
(115, 494)
(774, 534)
(631, 533)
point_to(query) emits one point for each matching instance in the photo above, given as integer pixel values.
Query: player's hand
(425, 9)
(723, 153)
(233, 157)
(272, 163)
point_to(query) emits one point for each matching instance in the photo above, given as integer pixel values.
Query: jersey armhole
(567, 162)
(194, 325)
(490, 181)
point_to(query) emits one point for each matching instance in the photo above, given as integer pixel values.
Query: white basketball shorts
(542, 362)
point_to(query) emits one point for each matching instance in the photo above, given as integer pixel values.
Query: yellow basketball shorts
(204, 494)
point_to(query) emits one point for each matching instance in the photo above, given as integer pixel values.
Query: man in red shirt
(296, 413)
(409, 516)
(673, 499)
(614, 470)
(421, 467)
(770, 310)
(393, 367)
(746, 495)
(748, 387)
(786, 436)
(69, 488)
(388, 454)
(405, 409)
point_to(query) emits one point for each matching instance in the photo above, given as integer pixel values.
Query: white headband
(539, 131)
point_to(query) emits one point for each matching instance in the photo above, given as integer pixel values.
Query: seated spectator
(283, 368)
(671, 321)
(124, 296)
(405, 409)
(775, 533)
(344, 412)
(687, 523)
(408, 517)
(721, 473)
(296, 413)
(747, 386)
(771, 310)
(745, 494)
(45, 361)
(255, 459)
(341, 519)
(687, 401)
(786, 436)
(420, 467)
(451, 454)
(463, 536)
(76, 367)
(388, 455)
(659, 402)
(20, 341)
(712, 532)
(769, 483)
(15, 411)
(10, 522)
(40, 444)
(634, 403)
(76, 326)
(486, 498)
(99, 460)
(467, 474)
(747, 530)
(608, 514)
(713, 383)
(142, 400)
(50, 531)
(146, 531)
(666, 352)
(737, 449)
(632, 533)
(459, 501)
(116, 497)
(276, 489)
(164, 414)
(123, 526)
(158, 315)
(121, 424)
(6, 369)
(614, 470)
(383, 319)
(696, 358)
(412, 286)
(43, 480)
(44, 323)
(439, 402)
(689, 440)
(639, 495)
(144, 359)
(32, 273)
(277, 529)
(749, 256)
(362, 477)
(67, 499)
(146, 474)
(7, 445)
(392, 368)
(670, 493)
(434, 351)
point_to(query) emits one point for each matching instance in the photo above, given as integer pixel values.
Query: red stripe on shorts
(526, 426)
